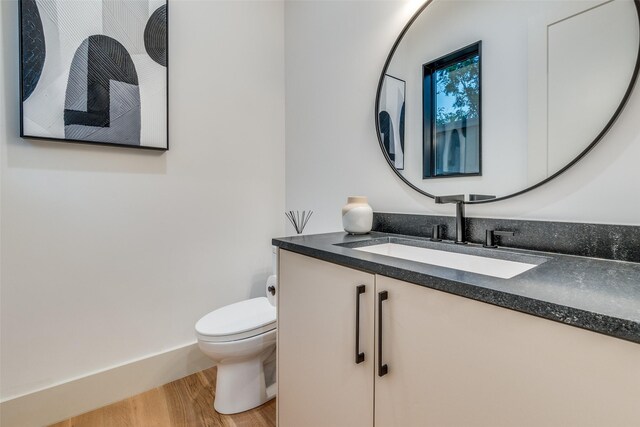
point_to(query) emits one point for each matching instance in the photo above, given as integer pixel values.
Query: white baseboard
(81, 395)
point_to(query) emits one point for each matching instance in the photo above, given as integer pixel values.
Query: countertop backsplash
(615, 242)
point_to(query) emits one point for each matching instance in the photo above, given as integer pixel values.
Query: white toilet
(241, 339)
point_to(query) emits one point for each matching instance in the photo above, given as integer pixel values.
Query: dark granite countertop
(595, 294)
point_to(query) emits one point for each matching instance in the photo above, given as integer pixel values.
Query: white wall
(110, 255)
(334, 54)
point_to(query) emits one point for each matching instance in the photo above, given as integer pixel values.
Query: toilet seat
(237, 321)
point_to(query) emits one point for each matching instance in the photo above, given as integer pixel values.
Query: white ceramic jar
(357, 215)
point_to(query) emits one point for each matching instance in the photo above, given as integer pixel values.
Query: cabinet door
(319, 381)
(453, 361)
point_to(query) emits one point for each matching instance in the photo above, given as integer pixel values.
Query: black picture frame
(400, 124)
(80, 141)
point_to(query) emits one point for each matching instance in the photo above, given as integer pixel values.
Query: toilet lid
(236, 321)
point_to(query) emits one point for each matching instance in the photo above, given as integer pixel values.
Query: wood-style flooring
(187, 402)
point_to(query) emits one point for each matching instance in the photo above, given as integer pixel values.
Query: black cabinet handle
(359, 355)
(382, 369)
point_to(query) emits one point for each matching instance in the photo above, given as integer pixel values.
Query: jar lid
(357, 199)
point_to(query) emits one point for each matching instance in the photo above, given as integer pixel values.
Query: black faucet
(435, 233)
(479, 197)
(458, 199)
(490, 237)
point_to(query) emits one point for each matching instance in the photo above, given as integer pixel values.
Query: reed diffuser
(299, 220)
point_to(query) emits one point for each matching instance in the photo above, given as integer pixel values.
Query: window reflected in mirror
(452, 114)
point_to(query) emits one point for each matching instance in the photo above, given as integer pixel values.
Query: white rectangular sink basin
(472, 263)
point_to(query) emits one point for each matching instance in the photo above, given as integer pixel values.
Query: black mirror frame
(597, 139)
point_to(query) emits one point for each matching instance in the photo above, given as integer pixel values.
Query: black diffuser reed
(299, 220)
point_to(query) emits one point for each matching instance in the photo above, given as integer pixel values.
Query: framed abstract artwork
(391, 119)
(95, 71)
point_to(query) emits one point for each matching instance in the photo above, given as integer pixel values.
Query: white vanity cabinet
(454, 361)
(319, 382)
(451, 361)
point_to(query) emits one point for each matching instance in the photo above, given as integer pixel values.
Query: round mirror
(495, 98)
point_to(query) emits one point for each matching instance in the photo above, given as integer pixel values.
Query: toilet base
(242, 385)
